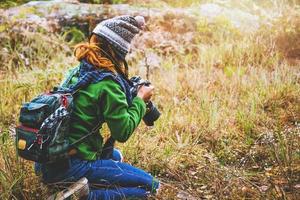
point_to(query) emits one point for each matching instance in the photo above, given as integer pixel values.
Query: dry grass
(230, 102)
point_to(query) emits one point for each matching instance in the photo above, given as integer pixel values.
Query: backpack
(44, 123)
(44, 126)
(42, 135)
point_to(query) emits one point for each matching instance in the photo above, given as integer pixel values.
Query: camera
(152, 113)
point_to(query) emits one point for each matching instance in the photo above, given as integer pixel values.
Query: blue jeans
(110, 179)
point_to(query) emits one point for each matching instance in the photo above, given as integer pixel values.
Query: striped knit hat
(119, 31)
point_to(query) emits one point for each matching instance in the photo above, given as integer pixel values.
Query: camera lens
(152, 114)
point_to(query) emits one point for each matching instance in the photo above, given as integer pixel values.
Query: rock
(239, 19)
(182, 195)
(264, 188)
(56, 15)
(297, 186)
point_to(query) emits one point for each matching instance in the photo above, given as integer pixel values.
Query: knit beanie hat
(119, 31)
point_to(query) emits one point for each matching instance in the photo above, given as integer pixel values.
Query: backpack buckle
(64, 101)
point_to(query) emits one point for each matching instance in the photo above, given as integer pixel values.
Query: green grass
(9, 3)
(230, 103)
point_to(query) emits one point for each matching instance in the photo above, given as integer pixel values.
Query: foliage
(185, 3)
(9, 3)
(230, 101)
(73, 35)
(22, 48)
(103, 1)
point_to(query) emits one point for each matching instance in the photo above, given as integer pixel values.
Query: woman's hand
(145, 92)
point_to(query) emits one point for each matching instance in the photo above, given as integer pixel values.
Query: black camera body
(152, 113)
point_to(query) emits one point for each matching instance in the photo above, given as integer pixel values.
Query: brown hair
(99, 53)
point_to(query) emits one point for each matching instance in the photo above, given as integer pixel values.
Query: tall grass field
(229, 98)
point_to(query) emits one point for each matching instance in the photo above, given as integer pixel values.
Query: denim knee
(117, 155)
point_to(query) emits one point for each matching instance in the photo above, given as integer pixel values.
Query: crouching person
(103, 96)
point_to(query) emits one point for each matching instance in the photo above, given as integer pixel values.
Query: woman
(103, 96)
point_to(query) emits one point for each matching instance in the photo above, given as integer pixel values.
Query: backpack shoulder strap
(71, 74)
(94, 130)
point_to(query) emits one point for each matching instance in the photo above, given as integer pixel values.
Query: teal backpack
(44, 123)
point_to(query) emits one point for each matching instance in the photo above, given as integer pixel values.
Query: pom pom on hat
(141, 21)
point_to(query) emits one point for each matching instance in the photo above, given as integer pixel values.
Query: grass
(230, 103)
(7, 3)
